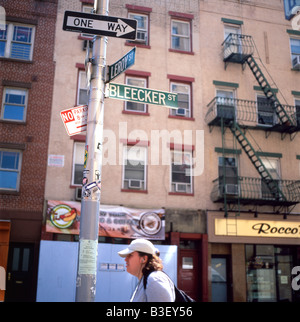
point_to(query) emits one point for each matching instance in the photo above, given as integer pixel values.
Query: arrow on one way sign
(100, 25)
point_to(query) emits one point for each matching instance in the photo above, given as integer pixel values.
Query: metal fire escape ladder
(256, 161)
(271, 96)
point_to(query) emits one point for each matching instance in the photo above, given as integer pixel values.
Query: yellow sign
(257, 228)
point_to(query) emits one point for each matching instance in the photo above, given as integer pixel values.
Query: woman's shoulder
(158, 275)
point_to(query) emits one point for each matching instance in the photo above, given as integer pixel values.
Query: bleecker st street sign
(143, 95)
(100, 25)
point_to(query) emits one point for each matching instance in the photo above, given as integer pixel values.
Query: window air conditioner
(78, 192)
(232, 189)
(296, 63)
(135, 184)
(181, 111)
(181, 187)
(141, 36)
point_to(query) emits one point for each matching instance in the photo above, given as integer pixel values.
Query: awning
(63, 217)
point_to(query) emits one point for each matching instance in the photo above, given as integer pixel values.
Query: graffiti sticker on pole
(75, 119)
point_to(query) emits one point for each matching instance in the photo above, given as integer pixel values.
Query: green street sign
(142, 95)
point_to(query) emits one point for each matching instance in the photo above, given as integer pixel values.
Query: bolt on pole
(91, 188)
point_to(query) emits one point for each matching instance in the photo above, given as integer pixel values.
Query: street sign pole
(91, 188)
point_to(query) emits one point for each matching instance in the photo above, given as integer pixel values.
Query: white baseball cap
(139, 245)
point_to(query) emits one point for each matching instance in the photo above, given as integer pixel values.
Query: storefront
(119, 225)
(252, 257)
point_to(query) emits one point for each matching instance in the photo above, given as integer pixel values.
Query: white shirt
(159, 288)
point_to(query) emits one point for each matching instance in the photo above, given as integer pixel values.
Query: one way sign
(100, 25)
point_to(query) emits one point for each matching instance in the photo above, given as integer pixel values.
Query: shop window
(219, 279)
(268, 270)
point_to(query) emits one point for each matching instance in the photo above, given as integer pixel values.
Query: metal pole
(91, 188)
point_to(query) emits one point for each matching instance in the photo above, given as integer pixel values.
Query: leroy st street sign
(143, 95)
(121, 65)
(100, 25)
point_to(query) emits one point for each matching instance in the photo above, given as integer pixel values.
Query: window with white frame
(78, 162)
(233, 42)
(82, 91)
(133, 106)
(184, 99)
(181, 172)
(10, 169)
(134, 167)
(16, 41)
(14, 104)
(295, 52)
(226, 103)
(181, 35)
(142, 28)
(273, 167)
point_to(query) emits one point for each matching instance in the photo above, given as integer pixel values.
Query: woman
(142, 260)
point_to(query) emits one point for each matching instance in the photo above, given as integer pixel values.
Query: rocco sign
(258, 228)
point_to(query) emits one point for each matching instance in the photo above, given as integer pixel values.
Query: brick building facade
(26, 83)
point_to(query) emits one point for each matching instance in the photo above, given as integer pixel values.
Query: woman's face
(135, 264)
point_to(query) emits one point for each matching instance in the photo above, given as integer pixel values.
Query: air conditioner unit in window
(181, 111)
(141, 36)
(296, 63)
(232, 189)
(181, 187)
(135, 184)
(78, 192)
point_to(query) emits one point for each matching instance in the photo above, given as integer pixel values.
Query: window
(228, 175)
(295, 51)
(184, 99)
(225, 104)
(273, 167)
(265, 111)
(10, 167)
(134, 170)
(181, 35)
(17, 41)
(78, 161)
(14, 104)
(181, 172)
(87, 9)
(82, 93)
(132, 106)
(233, 44)
(142, 28)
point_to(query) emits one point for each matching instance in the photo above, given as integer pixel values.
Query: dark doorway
(19, 285)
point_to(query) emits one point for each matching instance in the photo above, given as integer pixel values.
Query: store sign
(257, 228)
(63, 217)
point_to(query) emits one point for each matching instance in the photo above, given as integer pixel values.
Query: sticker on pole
(75, 119)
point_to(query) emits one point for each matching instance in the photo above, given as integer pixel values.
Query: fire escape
(240, 115)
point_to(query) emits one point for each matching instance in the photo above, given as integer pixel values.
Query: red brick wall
(39, 75)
